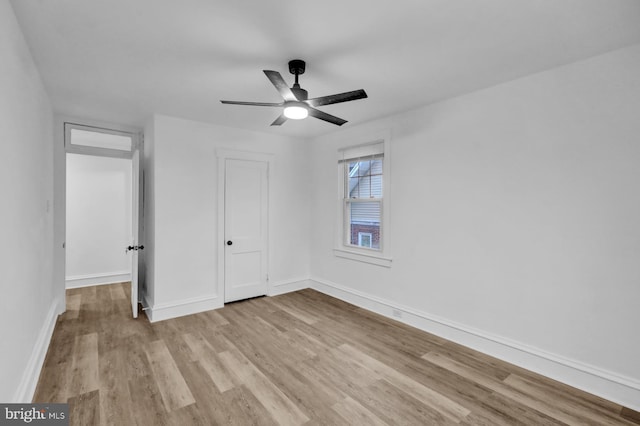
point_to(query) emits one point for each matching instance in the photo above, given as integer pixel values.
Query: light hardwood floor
(299, 358)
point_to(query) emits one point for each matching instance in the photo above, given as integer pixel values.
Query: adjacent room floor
(299, 358)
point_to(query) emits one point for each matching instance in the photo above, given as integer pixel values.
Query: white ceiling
(123, 60)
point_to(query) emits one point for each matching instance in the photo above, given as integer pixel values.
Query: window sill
(362, 257)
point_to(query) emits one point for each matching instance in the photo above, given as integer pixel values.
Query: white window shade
(363, 152)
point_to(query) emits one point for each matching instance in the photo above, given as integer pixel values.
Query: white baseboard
(78, 281)
(165, 311)
(179, 308)
(605, 384)
(282, 287)
(31, 374)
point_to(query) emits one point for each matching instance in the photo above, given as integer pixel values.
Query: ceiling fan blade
(277, 80)
(278, 121)
(326, 117)
(340, 97)
(271, 104)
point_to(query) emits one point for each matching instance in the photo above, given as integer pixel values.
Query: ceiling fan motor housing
(301, 94)
(297, 66)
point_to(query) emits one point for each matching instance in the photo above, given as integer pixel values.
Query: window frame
(136, 141)
(347, 202)
(378, 146)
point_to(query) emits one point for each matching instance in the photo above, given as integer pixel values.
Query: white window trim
(380, 257)
(136, 141)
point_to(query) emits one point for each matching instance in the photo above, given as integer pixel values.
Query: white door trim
(223, 155)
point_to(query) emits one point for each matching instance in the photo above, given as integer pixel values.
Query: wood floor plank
(310, 393)
(572, 411)
(216, 339)
(444, 405)
(296, 312)
(117, 293)
(73, 306)
(499, 410)
(354, 413)
(211, 404)
(200, 347)
(631, 415)
(298, 358)
(215, 319)
(206, 356)
(516, 389)
(191, 415)
(115, 399)
(394, 406)
(476, 360)
(147, 402)
(277, 404)
(477, 376)
(241, 408)
(84, 365)
(465, 392)
(54, 384)
(174, 390)
(84, 409)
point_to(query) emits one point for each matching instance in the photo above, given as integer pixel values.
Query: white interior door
(245, 223)
(135, 229)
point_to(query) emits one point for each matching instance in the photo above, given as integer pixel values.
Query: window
(362, 232)
(363, 201)
(81, 139)
(101, 139)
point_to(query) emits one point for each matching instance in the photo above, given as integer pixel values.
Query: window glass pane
(376, 186)
(100, 140)
(376, 167)
(364, 219)
(364, 179)
(354, 188)
(353, 169)
(363, 170)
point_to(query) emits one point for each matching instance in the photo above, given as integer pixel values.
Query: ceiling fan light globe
(296, 112)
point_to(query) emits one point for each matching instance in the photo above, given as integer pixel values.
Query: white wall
(515, 215)
(182, 199)
(30, 302)
(98, 220)
(147, 293)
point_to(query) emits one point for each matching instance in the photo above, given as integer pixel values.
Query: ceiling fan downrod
(297, 67)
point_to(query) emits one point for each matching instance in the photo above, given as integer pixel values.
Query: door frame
(229, 154)
(62, 124)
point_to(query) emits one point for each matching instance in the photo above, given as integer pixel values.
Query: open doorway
(98, 223)
(102, 208)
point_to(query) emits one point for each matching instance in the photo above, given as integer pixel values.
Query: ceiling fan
(296, 103)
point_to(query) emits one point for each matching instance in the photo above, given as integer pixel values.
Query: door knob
(229, 242)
